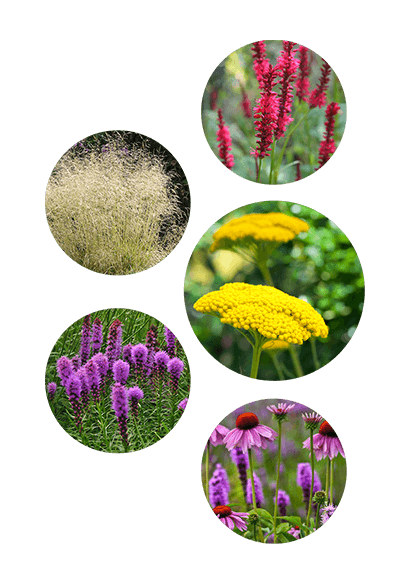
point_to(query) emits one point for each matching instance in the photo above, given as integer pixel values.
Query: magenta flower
(219, 486)
(217, 437)
(139, 355)
(281, 411)
(266, 114)
(327, 512)
(85, 386)
(287, 66)
(261, 62)
(51, 390)
(302, 83)
(224, 142)
(318, 96)
(327, 146)
(230, 518)
(325, 443)
(170, 342)
(119, 401)
(151, 339)
(259, 493)
(246, 105)
(213, 99)
(249, 433)
(64, 369)
(311, 420)
(182, 404)
(295, 531)
(93, 377)
(127, 353)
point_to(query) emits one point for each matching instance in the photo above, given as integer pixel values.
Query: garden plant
(116, 204)
(274, 471)
(117, 380)
(274, 112)
(274, 290)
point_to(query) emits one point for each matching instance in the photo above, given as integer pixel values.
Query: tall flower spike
(246, 104)
(318, 96)
(259, 493)
(121, 371)
(283, 502)
(64, 369)
(219, 486)
(241, 461)
(139, 354)
(224, 142)
(327, 146)
(302, 83)
(287, 66)
(113, 350)
(175, 368)
(261, 63)
(182, 404)
(85, 386)
(304, 480)
(119, 401)
(51, 388)
(266, 114)
(93, 376)
(97, 335)
(134, 395)
(170, 342)
(85, 339)
(73, 390)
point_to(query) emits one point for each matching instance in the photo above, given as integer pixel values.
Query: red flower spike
(222, 510)
(327, 146)
(247, 420)
(224, 142)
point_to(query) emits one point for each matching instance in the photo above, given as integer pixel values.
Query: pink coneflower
(325, 443)
(231, 518)
(224, 141)
(327, 512)
(266, 115)
(246, 105)
(302, 84)
(281, 411)
(217, 437)
(327, 146)
(249, 433)
(287, 66)
(261, 62)
(311, 420)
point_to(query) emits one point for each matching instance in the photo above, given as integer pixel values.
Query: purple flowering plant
(260, 464)
(113, 383)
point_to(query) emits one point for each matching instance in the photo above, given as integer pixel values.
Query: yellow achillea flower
(264, 312)
(275, 345)
(247, 231)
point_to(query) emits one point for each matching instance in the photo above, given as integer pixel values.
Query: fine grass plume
(113, 207)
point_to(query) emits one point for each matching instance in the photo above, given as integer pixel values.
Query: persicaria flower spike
(302, 83)
(246, 105)
(327, 146)
(266, 114)
(249, 433)
(231, 518)
(287, 66)
(325, 443)
(97, 335)
(121, 371)
(261, 62)
(217, 437)
(318, 96)
(224, 141)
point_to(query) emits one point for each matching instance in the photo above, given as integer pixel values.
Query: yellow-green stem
(331, 480)
(277, 366)
(256, 354)
(296, 362)
(278, 467)
(309, 510)
(314, 353)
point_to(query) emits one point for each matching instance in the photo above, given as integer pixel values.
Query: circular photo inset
(274, 471)
(117, 380)
(274, 290)
(273, 112)
(117, 203)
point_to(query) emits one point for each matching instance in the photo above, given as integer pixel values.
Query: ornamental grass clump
(261, 314)
(114, 208)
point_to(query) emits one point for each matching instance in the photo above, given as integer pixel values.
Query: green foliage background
(320, 266)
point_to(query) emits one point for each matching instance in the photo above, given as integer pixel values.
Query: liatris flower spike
(231, 518)
(113, 350)
(85, 341)
(327, 146)
(64, 369)
(51, 390)
(219, 487)
(249, 433)
(170, 342)
(283, 502)
(259, 493)
(139, 356)
(93, 377)
(135, 394)
(242, 462)
(224, 142)
(175, 368)
(73, 390)
(182, 404)
(217, 437)
(97, 335)
(119, 400)
(121, 371)
(326, 443)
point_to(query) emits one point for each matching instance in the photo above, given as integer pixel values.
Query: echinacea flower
(325, 443)
(217, 437)
(231, 518)
(219, 486)
(281, 411)
(295, 531)
(327, 512)
(249, 433)
(311, 420)
(224, 142)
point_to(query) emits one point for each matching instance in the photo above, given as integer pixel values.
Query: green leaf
(282, 528)
(286, 538)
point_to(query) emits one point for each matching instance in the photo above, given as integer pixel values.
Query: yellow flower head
(247, 230)
(275, 345)
(270, 312)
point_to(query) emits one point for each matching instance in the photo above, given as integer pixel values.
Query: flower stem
(309, 510)
(291, 131)
(159, 404)
(278, 467)
(277, 367)
(256, 354)
(265, 272)
(296, 362)
(271, 170)
(207, 469)
(331, 480)
(314, 353)
(259, 169)
(327, 477)
(317, 516)
(254, 501)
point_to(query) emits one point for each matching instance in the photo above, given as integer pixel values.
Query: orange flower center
(247, 420)
(327, 430)
(223, 511)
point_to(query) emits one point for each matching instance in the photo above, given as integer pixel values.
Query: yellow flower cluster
(275, 345)
(271, 226)
(271, 312)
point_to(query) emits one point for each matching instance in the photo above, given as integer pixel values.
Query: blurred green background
(320, 266)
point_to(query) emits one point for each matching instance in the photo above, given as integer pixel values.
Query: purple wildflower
(219, 486)
(51, 391)
(231, 518)
(85, 340)
(249, 433)
(217, 437)
(283, 502)
(304, 479)
(97, 335)
(73, 390)
(134, 395)
(93, 376)
(121, 371)
(259, 494)
(182, 404)
(151, 339)
(119, 400)
(241, 461)
(64, 369)
(325, 443)
(170, 342)
(75, 363)
(113, 350)
(327, 512)
(139, 354)
(127, 353)
(175, 368)
(84, 386)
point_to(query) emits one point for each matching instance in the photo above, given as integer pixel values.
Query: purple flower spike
(113, 350)
(283, 502)
(97, 335)
(119, 401)
(304, 479)
(161, 360)
(85, 386)
(64, 369)
(170, 342)
(102, 364)
(175, 368)
(219, 486)
(73, 390)
(241, 461)
(127, 353)
(93, 377)
(76, 363)
(134, 395)
(51, 391)
(139, 354)
(121, 371)
(182, 404)
(151, 339)
(259, 494)
(85, 340)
